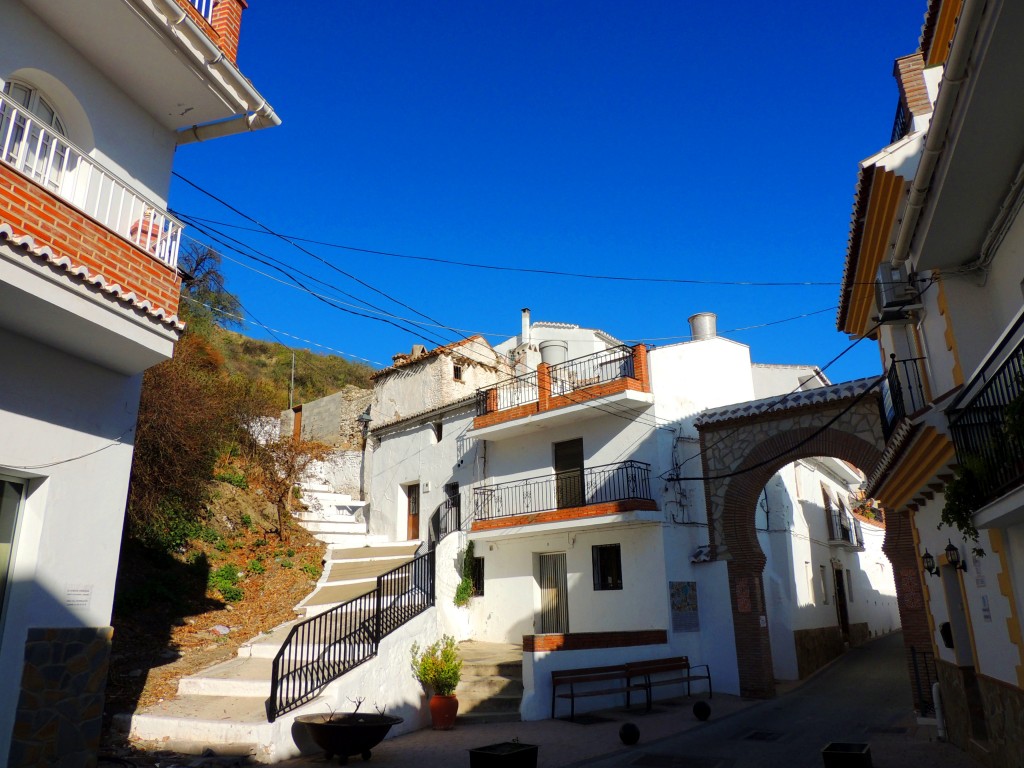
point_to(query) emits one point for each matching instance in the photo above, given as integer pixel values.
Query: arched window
(30, 131)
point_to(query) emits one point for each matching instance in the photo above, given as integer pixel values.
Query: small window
(824, 582)
(457, 373)
(478, 577)
(607, 567)
(438, 431)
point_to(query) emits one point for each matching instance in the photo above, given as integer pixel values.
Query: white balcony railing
(43, 155)
(205, 7)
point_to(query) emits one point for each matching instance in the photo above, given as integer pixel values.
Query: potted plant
(439, 668)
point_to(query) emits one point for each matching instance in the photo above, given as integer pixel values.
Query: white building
(88, 295)
(579, 481)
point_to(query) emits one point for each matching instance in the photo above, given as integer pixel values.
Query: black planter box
(506, 754)
(841, 754)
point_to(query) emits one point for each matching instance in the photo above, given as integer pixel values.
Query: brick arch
(739, 460)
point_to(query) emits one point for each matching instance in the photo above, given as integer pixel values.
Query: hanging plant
(465, 589)
(964, 495)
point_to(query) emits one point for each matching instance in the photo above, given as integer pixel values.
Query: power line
(528, 270)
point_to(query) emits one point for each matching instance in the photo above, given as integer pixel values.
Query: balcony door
(554, 594)
(568, 461)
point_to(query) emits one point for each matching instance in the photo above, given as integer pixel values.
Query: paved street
(864, 697)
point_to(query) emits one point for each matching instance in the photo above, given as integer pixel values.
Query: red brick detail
(32, 210)
(227, 21)
(640, 369)
(543, 387)
(500, 417)
(568, 513)
(585, 641)
(909, 74)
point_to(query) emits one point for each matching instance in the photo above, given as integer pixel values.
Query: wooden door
(413, 494)
(568, 461)
(554, 594)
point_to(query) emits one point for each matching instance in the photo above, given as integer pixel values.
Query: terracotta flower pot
(443, 710)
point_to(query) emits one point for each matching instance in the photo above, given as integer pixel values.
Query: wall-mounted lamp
(953, 556)
(928, 560)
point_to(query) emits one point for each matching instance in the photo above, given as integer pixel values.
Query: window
(30, 135)
(607, 567)
(824, 583)
(478, 577)
(457, 373)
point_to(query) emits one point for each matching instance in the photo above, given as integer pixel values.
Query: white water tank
(703, 326)
(554, 351)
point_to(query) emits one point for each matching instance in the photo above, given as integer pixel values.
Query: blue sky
(692, 141)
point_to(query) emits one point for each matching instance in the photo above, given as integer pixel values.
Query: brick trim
(568, 513)
(585, 641)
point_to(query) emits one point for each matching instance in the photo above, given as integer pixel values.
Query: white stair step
(243, 677)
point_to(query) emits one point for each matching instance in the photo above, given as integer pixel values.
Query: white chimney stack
(525, 339)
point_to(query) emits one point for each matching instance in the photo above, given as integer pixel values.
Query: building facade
(933, 273)
(89, 292)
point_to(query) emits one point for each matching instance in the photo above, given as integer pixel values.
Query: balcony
(986, 421)
(41, 154)
(612, 381)
(844, 531)
(903, 392)
(592, 492)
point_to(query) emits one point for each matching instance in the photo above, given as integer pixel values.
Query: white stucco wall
(100, 118)
(54, 408)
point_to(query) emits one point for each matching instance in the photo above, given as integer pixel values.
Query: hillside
(316, 375)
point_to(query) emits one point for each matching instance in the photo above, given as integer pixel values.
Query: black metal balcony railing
(598, 368)
(902, 122)
(902, 392)
(321, 649)
(841, 527)
(923, 667)
(576, 488)
(988, 426)
(604, 366)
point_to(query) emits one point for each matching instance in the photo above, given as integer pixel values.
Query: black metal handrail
(901, 123)
(922, 664)
(519, 390)
(988, 429)
(446, 519)
(324, 647)
(576, 488)
(607, 365)
(902, 392)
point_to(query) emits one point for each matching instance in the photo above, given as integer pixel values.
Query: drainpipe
(235, 87)
(940, 721)
(953, 75)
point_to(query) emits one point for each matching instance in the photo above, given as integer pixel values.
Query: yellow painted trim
(922, 461)
(950, 334)
(945, 26)
(887, 194)
(1013, 631)
(925, 592)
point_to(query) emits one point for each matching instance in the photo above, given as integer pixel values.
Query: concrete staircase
(222, 708)
(491, 689)
(333, 518)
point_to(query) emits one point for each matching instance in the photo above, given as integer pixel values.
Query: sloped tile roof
(779, 403)
(405, 360)
(96, 282)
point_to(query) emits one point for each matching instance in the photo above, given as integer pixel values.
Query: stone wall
(1003, 705)
(859, 634)
(60, 708)
(816, 647)
(332, 419)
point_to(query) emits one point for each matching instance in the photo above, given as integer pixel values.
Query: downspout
(953, 75)
(263, 116)
(940, 720)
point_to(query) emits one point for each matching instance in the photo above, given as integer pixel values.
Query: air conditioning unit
(893, 289)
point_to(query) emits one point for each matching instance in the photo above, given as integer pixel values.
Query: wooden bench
(593, 681)
(668, 671)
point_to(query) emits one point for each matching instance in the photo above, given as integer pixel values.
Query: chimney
(526, 326)
(703, 326)
(227, 22)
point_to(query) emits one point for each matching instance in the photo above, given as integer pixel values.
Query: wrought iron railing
(922, 666)
(901, 123)
(842, 527)
(39, 152)
(598, 368)
(324, 647)
(987, 423)
(447, 518)
(903, 392)
(509, 393)
(576, 488)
